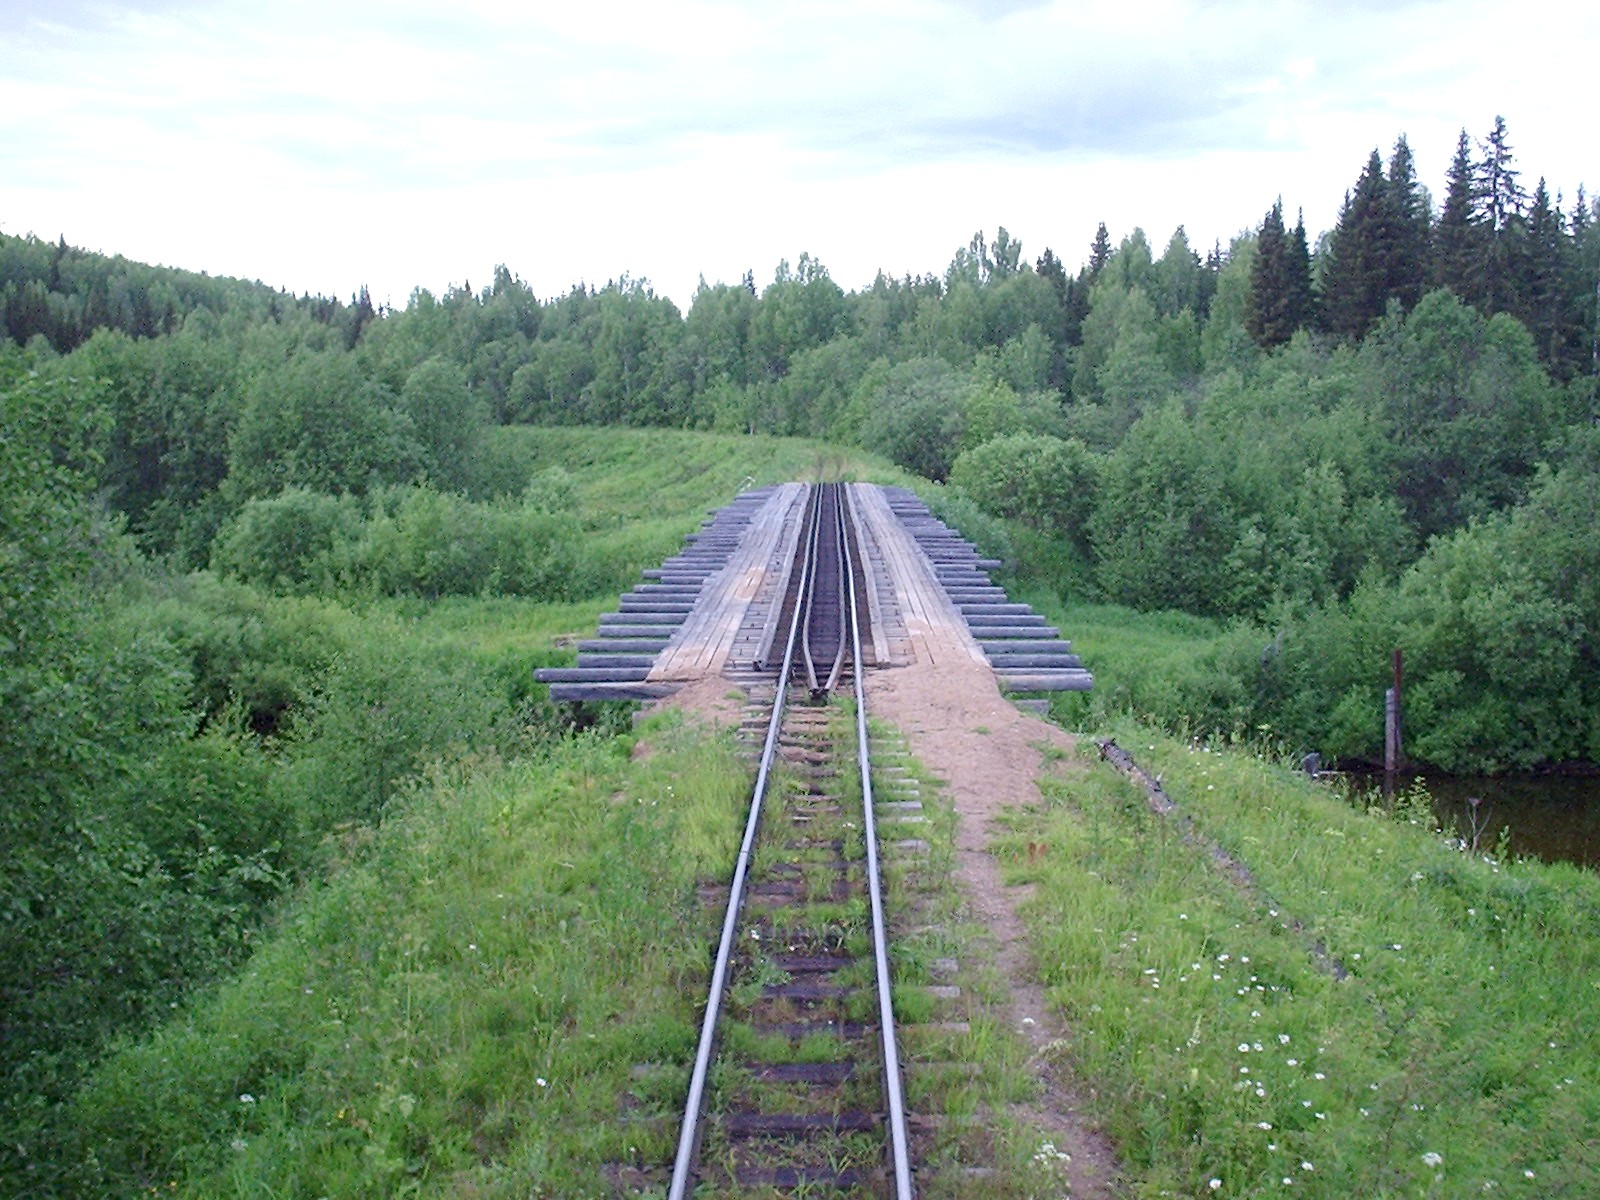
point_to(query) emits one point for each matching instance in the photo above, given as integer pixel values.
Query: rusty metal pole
(1393, 743)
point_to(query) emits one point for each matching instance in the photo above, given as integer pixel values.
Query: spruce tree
(1076, 305)
(1302, 299)
(1048, 266)
(1271, 319)
(1541, 289)
(1459, 238)
(1500, 203)
(1583, 283)
(1099, 252)
(1407, 220)
(1357, 275)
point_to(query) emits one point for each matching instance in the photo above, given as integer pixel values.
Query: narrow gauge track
(797, 1080)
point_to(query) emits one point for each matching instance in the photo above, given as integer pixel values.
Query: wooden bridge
(715, 607)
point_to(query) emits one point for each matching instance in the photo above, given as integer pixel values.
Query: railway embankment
(493, 992)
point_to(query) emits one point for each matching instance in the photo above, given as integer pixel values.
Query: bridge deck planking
(702, 643)
(879, 592)
(932, 624)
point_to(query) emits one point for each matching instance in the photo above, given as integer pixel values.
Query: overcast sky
(320, 146)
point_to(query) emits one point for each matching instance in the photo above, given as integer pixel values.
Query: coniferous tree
(1271, 318)
(1583, 284)
(1459, 237)
(1051, 268)
(1541, 291)
(1500, 203)
(1355, 282)
(1302, 298)
(1077, 302)
(1099, 252)
(1407, 235)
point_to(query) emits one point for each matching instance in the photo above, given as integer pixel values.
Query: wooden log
(649, 604)
(999, 632)
(590, 674)
(600, 659)
(640, 620)
(611, 691)
(1000, 660)
(625, 645)
(1065, 680)
(1022, 645)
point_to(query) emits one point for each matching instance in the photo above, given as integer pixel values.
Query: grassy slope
(473, 948)
(459, 1007)
(1222, 1046)
(1457, 1057)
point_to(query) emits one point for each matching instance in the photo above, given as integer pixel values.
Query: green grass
(1170, 669)
(459, 1010)
(1457, 1057)
(639, 491)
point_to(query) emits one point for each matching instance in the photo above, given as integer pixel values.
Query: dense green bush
(1047, 483)
(1165, 522)
(290, 542)
(419, 542)
(385, 708)
(914, 415)
(318, 421)
(407, 541)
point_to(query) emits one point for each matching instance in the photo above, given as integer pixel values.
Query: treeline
(1493, 244)
(60, 294)
(1252, 435)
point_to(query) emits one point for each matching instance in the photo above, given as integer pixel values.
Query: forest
(223, 506)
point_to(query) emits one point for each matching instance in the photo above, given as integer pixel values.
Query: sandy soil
(712, 697)
(989, 754)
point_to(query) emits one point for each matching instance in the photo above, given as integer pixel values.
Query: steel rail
(683, 1167)
(894, 1095)
(842, 564)
(805, 599)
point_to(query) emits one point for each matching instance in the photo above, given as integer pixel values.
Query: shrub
(425, 543)
(915, 416)
(288, 542)
(1045, 482)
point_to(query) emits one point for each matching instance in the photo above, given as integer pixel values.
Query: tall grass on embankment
(1277, 993)
(637, 492)
(460, 1008)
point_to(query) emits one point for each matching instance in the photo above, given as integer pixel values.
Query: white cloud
(320, 146)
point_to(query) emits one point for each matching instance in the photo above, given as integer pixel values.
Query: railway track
(796, 1084)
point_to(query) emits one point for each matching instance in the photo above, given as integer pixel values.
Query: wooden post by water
(1393, 746)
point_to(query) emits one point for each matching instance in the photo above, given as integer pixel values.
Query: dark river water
(1555, 818)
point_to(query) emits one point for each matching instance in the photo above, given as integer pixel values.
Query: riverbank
(1272, 989)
